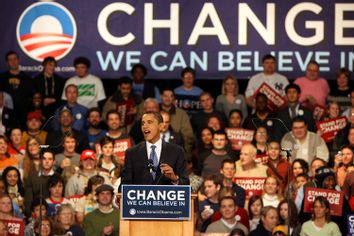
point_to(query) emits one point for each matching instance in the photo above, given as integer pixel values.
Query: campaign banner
(238, 137)
(334, 198)
(252, 186)
(159, 202)
(319, 112)
(350, 224)
(329, 128)
(119, 148)
(275, 100)
(262, 158)
(15, 227)
(216, 38)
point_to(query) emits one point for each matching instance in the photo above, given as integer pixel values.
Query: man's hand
(108, 230)
(167, 171)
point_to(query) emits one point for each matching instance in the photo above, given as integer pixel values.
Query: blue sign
(350, 223)
(156, 202)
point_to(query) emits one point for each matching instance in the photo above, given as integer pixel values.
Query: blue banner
(161, 202)
(214, 37)
(350, 224)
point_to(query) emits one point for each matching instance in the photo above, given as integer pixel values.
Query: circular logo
(46, 29)
(132, 211)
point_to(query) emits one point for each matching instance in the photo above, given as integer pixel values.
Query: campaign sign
(334, 198)
(156, 202)
(238, 137)
(330, 128)
(350, 224)
(318, 112)
(15, 227)
(119, 148)
(275, 100)
(252, 186)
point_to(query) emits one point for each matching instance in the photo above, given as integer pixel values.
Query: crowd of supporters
(63, 143)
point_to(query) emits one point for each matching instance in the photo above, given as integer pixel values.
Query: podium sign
(156, 202)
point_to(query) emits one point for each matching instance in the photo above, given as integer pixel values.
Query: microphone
(150, 165)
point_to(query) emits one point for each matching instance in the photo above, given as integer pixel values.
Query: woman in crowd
(5, 158)
(43, 227)
(215, 123)
(230, 98)
(14, 188)
(31, 160)
(203, 148)
(321, 223)
(255, 206)
(333, 110)
(64, 223)
(6, 208)
(295, 226)
(341, 93)
(88, 203)
(342, 162)
(271, 196)
(260, 140)
(299, 167)
(107, 161)
(235, 118)
(269, 219)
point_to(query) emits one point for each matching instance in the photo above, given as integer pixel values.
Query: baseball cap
(104, 187)
(34, 115)
(88, 154)
(280, 228)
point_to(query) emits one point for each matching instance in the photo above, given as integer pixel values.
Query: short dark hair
(344, 71)
(157, 115)
(125, 80)
(228, 161)
(110, 112)
(47, 60)
(214, 178)
(306, 176)
(227, 198)
(38, 201)
(293, 86)
(45, 150)
(267, 57)
(188, 70)
(314, 63)
(82, 60)
(304, 165)
(236, 111)
(93, 109)
(11, 52)
(298, 119)
(220, 132)
(259, 95)
(138, 66)
(54, 180)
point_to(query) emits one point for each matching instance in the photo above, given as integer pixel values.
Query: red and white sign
(334, 198)
(319, 112)
(275, 100)
(252, 186)
(238, 137)
(330, 128)
(120, 146)
(15, 227)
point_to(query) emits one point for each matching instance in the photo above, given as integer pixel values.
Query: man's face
(113, 122)
(151, 106)
(312, 71)
(274, 151)
(49, 68)
(188, 80)
(269, 66)
(33, 124)
(138, 75)
(81, 70)
(16, 136)
(261, 103)
(214, 123)
(207, 102)
(300, 181)
(299, 130)
(71, 94)
(13, 62)
(167, 98)
(166, 122)
(125, 89)
(47, 161)
(211, 189)
(56, 190)
(228, 170)
(94, 119)
(65, 119)
(219, 141)
(69, 144)
(150, 128)
(247, 156)
(329, 183)
(88, 164)
(292, 95)
(105, 198)
(227, 209)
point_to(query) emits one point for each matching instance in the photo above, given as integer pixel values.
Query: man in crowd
(90, 88)
(105, 219)
(304, 144)
(269, 76)
(34, 123)
(142, 88)
(94, 131)
(167, 133)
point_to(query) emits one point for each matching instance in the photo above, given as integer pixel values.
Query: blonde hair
(233, 78)
(278, 192)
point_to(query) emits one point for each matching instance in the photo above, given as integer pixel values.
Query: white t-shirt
(90, 90)
(276, 81)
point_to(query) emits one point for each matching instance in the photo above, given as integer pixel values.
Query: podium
(141, 227)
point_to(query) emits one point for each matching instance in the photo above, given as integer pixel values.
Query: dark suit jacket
(136, 169)
(176, 138)
(284, 116)
(9, 120)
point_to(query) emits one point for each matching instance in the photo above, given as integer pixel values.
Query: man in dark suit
(167, 133)
(294, 109)
(154, 161)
